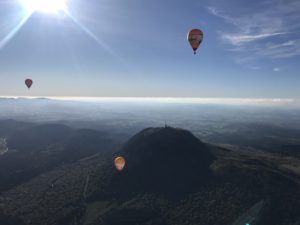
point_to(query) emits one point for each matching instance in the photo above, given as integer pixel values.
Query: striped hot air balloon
(195, 38)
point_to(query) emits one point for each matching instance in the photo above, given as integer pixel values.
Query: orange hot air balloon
(28, 83)
(120, 163)
(195, 38)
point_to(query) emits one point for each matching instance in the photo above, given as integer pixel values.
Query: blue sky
(138, 48)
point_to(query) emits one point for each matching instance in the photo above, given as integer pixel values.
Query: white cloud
(271, 32)
(240, 39)
(282, 50)
(276, 69)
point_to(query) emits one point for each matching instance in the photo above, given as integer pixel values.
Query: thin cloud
(240, 39)
(266, 33)
(282, 50)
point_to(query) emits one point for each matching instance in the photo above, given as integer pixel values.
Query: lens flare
(45, 6)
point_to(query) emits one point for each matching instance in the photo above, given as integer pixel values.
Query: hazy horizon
(199, 100)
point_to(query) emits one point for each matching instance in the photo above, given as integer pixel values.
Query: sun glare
(45, 6)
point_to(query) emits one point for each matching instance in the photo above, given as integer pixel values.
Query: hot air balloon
(28, 83)
(195, 37)
(120, 163)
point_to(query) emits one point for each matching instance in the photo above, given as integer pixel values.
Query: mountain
(170, 178)
(159, 159)
(33, 149)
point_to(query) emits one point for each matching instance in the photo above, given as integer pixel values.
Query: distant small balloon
(195, 38)
(120, 163)
(28, 83)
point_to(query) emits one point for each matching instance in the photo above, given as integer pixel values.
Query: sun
(45, 6)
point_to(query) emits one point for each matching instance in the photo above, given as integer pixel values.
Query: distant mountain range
(170, 178)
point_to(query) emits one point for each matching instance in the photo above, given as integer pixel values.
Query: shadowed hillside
(170, 178)
(37, 148)
(164, 160)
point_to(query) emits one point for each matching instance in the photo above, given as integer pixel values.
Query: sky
(139, 48)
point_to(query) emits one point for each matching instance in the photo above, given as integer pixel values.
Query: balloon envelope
(28, 82)
(120, 163)
(195, 38)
